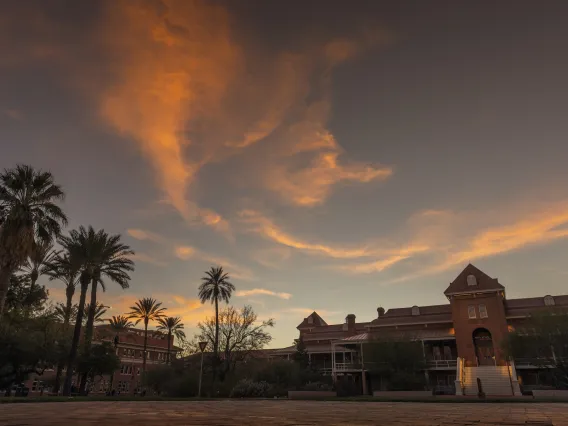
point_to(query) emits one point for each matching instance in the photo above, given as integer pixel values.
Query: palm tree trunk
(69, 292)
(89, 331)
(169, 344)
(76, 336)
(34, 277)
(216, 343)
(5, 274)
(145, 346)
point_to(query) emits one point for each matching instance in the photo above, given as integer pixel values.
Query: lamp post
(202, 346)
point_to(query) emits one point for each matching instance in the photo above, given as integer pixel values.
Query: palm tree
(173, 326)
(39, 262)
(101, 256)
(28, 214)
(82, 245)
(146, 309)
(216, 286)
(65, 269)
(100, 310)
(118, 324)
(113, 262)
(62, 314)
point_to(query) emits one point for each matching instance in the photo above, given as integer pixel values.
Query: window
(415, 310)
(549, 301)
(122, 369)
(471, 312)
(482, 311)
(310, 320)
(35, 385)
(471, 280)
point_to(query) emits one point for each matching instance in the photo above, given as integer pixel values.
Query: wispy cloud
(262, 291)
(146, 258)
(143, 235)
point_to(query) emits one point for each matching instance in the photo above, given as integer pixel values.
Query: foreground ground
(239, 412)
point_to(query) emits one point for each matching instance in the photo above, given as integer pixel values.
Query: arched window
(471, 280)
(415, 310)
(549, 301)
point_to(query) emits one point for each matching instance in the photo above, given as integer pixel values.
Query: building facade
(462, 340)
(129, 347)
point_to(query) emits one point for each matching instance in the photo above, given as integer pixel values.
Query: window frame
(471, 309)
(483, 313)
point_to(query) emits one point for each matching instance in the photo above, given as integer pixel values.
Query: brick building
(461, 340)
(129, 348)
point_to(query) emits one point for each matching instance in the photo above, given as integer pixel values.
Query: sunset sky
(331, 156)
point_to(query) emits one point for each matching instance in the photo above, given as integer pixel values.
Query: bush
(317, 386)
(249, 389)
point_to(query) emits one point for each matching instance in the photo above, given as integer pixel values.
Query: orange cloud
(263, 291)
(172, 62)
(143, 235)
(269, 230)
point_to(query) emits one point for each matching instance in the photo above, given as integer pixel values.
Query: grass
(443, 400)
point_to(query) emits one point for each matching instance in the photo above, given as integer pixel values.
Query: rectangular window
(471, 312)
(122, 369)
(482, 311)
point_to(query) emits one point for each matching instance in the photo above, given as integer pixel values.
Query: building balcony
(441, 364)
(528, 363)
(348, 366)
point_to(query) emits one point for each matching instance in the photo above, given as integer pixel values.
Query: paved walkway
(279, 413)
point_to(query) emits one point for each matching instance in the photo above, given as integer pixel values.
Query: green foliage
(100, 360)
(21, 295)
(301, 355)
(399, 363)
(28, 345)
(247, 388)
(544, 339)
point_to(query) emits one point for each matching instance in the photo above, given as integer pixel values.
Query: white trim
(475, 292)
(413, 323)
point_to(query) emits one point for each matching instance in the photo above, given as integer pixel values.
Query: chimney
(350, 321)
(380, 311)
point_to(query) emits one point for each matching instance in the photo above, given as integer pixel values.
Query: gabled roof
(484, 282)
(316, 321)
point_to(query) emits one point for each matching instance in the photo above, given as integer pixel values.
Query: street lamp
(202, 346)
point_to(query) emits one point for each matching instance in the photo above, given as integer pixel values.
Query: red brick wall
(495, 323)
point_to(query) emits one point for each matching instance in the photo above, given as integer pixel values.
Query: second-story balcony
(348, 366)
(441, 364)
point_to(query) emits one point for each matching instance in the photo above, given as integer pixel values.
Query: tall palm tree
(146, 309)
(28, 214)
(114, 262)
(82, 245)
(216, 286)
(173, 326)
(118, 324)
(39, 262)
(105, 257)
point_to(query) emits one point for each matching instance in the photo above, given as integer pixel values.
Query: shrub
(249, 389)
(317, 386)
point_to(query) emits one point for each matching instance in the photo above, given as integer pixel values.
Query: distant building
(129, 348)
(461, 340)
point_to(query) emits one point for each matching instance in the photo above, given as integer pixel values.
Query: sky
(331, 156)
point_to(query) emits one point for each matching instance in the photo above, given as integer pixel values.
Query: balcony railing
(442, 363)
(345, 366)
(536, 362)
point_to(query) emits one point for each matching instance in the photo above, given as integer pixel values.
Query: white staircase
(495, 381)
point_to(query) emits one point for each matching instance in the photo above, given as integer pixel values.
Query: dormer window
(471, 280)
(549, 301)
(310, 320)
(415, 310)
